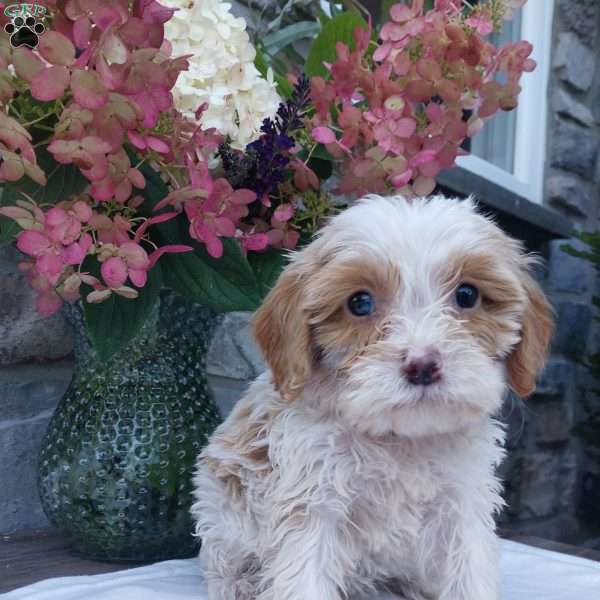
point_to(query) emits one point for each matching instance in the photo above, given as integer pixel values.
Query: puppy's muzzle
(423, 368)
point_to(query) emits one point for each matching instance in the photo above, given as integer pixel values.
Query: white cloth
(527, 574)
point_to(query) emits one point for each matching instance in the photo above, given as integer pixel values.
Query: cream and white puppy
(365, 457)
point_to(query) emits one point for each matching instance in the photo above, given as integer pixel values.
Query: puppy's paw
(230, 589)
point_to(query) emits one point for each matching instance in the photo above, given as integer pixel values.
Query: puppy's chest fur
(280, 463)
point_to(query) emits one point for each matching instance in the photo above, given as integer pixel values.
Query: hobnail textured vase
(116, 465)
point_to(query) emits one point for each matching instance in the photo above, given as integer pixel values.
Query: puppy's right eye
(361, 304)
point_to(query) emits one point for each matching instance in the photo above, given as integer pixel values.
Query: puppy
(365, 457)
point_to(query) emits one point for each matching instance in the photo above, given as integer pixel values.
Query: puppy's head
(423, 312)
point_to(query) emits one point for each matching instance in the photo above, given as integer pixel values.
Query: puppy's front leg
(308, 557)
(459, 545)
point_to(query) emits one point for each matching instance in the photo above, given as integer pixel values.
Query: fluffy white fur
(334, 475)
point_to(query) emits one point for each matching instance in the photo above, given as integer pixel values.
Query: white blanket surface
(527, 574)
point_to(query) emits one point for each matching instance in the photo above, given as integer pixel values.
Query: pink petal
(50, 84)
(114, 49)
(50, 265)
(26, 63)
(56, 48)
(55, 217)
(214, 247)
(82, 32)
(422, 158)
(157, 144)
(424, 186)
(243, 197)
(114, 272)
(153, 221)
(138, 180)
(73, 254)
(103, 190)
(401, 180)
(20, 215)
(401, 13)
(224, 227)
(323, 135)
(88, 89)
(168, 249)
(98, 296)
(405, 127)
(284, 212)
(83, 211)
(138, 277)
(32, 242)
(382, 52)
(134, 254)
(256, 242)
(137, 140)
(48, 303)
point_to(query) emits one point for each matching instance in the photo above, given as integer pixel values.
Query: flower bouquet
(149, 144)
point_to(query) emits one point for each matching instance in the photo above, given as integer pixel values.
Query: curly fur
(334, 475)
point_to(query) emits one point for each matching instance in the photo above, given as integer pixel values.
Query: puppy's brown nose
(424, 368)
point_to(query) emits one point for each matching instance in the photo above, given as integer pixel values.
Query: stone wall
(34, 373)
(547, 465)
(561, 474)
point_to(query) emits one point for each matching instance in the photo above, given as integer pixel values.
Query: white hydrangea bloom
(222, 71)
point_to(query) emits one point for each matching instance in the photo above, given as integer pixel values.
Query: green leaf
(274, 42)
(267, 267)
(8, 231)
(64, 181)
(284, 87)
(112, 324)
(223, 284)
(339, 29)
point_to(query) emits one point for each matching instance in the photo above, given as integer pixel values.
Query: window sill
(532, 223)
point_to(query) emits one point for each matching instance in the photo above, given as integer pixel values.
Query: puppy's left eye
(467, 296)
(361, 304)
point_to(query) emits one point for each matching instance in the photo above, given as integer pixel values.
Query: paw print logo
(24, 31)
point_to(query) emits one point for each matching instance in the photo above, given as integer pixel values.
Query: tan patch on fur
(334, 328)
(529, 356)
(512, 305)
(282, 332)
(502, 297)
(244, 440)
(305, 314)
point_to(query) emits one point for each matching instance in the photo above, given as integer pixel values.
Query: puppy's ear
(283, 334)
(529, 355)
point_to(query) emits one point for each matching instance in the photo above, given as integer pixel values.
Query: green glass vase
(116, 464)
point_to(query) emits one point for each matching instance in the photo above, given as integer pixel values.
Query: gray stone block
(568, 273)
(580, 16)
(233, 352)
(555, 380)
(559, 528)
(19, 449)
(575, 149)
(539, 485)
(569, 193)
(573, 327)
(24, 334)
(27, 390)
(227, 392)
(576, 61)
(569, 480)
(552, 422)
(567, 106)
